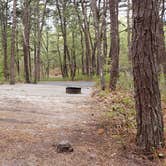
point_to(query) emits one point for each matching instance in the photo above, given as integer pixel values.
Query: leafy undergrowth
(119, 113)
(119, 122)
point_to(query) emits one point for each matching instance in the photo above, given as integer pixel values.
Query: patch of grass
(78, 77)
(103, 93)
(56, 79)
(125, 81)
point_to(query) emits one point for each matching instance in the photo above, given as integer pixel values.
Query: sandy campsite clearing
(33, 118)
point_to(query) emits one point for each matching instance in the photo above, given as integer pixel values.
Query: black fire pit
(73, 90)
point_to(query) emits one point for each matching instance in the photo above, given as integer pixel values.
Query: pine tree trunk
(87, 39)
(65, 67)
(59, 54)
(82, 53)
(128, 30)
(35, 46)
(12, 59)
(114, 52)
(26, 40)
(147, 93)
(40, 24)
(99, 30)
(17, 58)
(4, 24)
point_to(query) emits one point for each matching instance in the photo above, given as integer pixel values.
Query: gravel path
(34, 117)
(46, 103)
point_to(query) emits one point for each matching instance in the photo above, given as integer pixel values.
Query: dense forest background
(70, 38)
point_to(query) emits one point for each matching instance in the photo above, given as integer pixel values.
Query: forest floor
(34, 118)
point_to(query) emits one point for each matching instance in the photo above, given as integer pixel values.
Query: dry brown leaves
(118, 108)
(119, 120)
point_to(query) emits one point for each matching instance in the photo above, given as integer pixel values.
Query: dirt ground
(33, 118)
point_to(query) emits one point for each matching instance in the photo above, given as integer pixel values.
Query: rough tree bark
(144, 59)
(63, 24)
(82, 31)
(40, 24)
(99, 36)
(12, 58)
(59, 53)
(4, 23)
(26, 36)
(47, 55)
(87, 38)
(105, 44)
(82, 53)
(129, 29)
(35, 41)
(114, 52)
(73, 57)
(17, 59)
